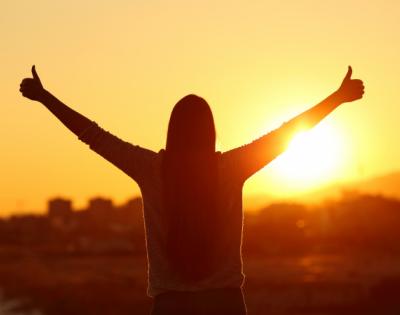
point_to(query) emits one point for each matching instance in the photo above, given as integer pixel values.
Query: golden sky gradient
(126, 63)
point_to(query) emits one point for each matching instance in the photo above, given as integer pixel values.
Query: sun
(312, 157)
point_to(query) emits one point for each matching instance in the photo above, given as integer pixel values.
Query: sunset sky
(126, 63)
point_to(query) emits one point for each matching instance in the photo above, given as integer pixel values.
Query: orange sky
(125, 63)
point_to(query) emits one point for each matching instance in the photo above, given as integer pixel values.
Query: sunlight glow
(312, 157)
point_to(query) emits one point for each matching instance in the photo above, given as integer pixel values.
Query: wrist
(43, 96)
(337, 98)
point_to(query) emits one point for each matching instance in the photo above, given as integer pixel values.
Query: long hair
(189, 189)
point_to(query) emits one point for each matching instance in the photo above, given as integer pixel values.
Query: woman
(192, 195)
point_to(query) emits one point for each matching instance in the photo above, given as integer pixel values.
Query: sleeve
(248, 159)
(131, 159)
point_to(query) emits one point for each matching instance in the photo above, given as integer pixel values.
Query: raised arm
(250, 158)
(131, 159)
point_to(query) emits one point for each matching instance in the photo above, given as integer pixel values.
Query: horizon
(251, 202)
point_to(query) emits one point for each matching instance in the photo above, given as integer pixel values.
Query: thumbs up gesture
(350, 89)
(32, 88)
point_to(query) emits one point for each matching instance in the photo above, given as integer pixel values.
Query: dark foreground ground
(60, 284)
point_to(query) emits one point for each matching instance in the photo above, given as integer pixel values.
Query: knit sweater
(144, 166)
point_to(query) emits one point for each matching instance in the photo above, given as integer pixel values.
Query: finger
(26, 80)
(349, 73)
(25, 85)
(34, 74)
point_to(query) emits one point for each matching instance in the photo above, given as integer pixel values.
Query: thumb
(35, 75)
(348, 74)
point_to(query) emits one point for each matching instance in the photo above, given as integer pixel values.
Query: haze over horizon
(125, 64)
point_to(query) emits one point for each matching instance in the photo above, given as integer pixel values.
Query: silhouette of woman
(192, 195)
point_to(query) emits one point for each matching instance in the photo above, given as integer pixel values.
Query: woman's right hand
(32, 88)
(350, 89)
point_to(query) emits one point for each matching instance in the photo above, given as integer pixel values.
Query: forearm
(73, 120)
(314, 115)
(276, 142)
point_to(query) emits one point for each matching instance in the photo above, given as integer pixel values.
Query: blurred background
(321, 222)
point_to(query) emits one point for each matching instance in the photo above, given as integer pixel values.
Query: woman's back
(228, 273)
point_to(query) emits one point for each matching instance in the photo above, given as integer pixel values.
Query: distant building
(134, 204)
(59, 211)
(131, 213)
(59, 207)
(100, 209)
(100, 204)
